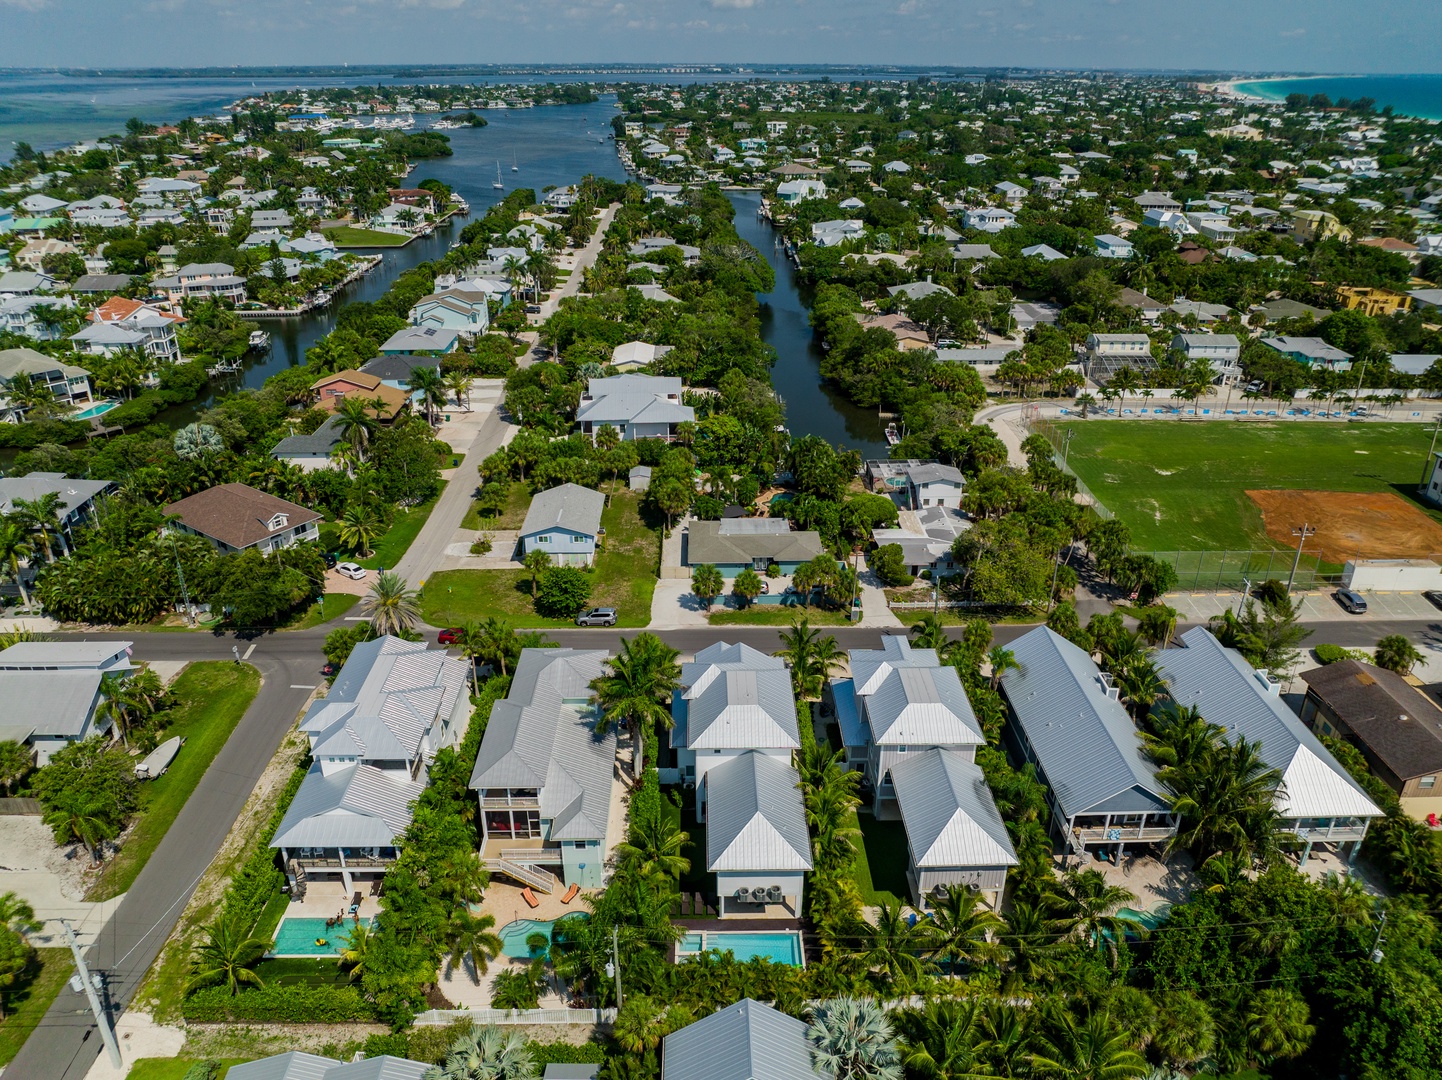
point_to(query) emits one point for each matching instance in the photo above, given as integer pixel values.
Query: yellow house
(1373, 301)
(1309, 225)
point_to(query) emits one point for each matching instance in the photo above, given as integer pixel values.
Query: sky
(1325, 36)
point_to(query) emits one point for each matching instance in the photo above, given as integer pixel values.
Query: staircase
(297, 872)
(533, 876)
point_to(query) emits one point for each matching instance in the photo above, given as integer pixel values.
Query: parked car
(449, 636)
(1352, 603)
(533, 309)
(601, 616)
(1434, 597)
(351, 570)
(330, 560)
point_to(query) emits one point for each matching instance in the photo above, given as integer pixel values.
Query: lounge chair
(530, 897)
(571, 893)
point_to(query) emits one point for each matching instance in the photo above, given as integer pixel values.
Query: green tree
(17, 915)
(429, 385)
(16, 958)
(654, 847)
(41, 516)
(391, 605)
(16, 761)
(485, 1053)
(852, 1039)
(472, 938)
(1090, 1049)
(707, 583)
(359, 527)
(357, 947)
(1278, 1024)
(636, 689)
(356, 423)
(811, 656)
(966, 930)
(535, 561)
(563, 591)
(15, 547)
(889, 564)
(1396, 653)
(746, 585)
(225, 957)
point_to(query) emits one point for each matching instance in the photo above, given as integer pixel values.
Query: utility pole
(1246, 592)
(1376, 954)
(180, 572)
(614, 968)
(1427, 465)
(1301, 533)
(1066, 446)
(90, 983)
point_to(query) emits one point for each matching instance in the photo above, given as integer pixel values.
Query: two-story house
(636, 406)
(1108, 353)
(204, 281)
(372, 739)
(462, 310)
(68, 384)
(51, 691)
(1222, 351)
(237, 517)
(1111, 246)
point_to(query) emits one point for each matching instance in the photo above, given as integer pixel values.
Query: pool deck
(326, 899)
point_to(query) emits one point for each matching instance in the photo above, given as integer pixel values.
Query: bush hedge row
(294, 1004)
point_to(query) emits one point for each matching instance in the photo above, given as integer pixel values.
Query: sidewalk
(1317, 606)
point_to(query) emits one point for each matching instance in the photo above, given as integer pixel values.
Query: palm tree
(1008, 1040)
(18, 915)
(393, 608)
(1093, 1049)
(1091, 906)
(1032, 940)
(1396, 653)
(226, 957)
(851, 1039)
(637, 689)
(41, 515)
(356, 423)
(1002, 660)
(1278, 1025)
(1227, 800)
(359, 526)
(116, 703)
(706, 582)
(85, 823)
(1157, 623)
(895, 946)
(498, 642)
(15, 546)
(940, 1041)
(196, 440)
(459, 384)
(484, 1053)
(655, 845)
(535, 561)
(811, 656)
(1142, 686)
(966, 931)
(929, 632)
(357, 947)
(429, 385)
(471, 937)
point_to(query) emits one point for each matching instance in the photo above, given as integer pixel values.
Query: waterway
(1409, 95)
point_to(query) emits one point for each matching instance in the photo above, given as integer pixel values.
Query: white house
(51, 690)
(1222, 351)
(832, 233)
(458, 309)
(1109, 246)
(757, 843)
(795, 191)
(988, 219)
(636, 406)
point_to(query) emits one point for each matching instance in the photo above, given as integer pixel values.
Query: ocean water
(1410, 95)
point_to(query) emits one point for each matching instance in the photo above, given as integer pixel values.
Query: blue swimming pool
(309, 937)
(100, 408)
(779, 948)
(514, 934)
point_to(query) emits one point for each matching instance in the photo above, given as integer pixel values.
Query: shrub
(203, 1070)
(1331, 654)
(562, 591)
(890, 565)
(481, 546)
(291, 1004)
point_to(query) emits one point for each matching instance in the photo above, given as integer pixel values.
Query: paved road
(585, 258)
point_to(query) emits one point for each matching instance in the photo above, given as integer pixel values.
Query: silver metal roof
(82, 655)
(754, 816)
(1085, 742)
(73, 493)
(631, 399)
(543, 736)
(292, 1066)
(53, 703)
(1231, 694)
(744, 1041)
(908, 698)
(384, 1067)
(739, 704)
(950, 817)
(569, 506)
(356, 806)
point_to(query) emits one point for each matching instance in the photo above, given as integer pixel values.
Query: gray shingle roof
(1395, 722)
(321, 441)
(754, 816)
(744, 1041)
(542, 735)
(1084, 740)
(950, 817)
(706, 542)
(569, 506)
(735, 698)
(1220, 683)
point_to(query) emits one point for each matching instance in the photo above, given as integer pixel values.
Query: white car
(351, 570)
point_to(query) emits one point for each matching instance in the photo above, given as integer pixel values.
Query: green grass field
(331, 606)
(27, 1002)
(518, 501)
(624, 578)
(173, 1068)
(212, 696)
(773, 615)
(1182, 486)
(350, 236)
(881, 860)
(398, 538)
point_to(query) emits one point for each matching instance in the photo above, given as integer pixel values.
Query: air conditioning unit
(773, 894)
(743, 894)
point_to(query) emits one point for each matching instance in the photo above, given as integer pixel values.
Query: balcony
(1123, 834)
(533, 803)
(350, 862)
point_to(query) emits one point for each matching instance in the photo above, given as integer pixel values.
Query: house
(1109, 246)
(1317, 800)
(34, 317)
(456, 309)
(1222, 351)
(1309, 351)
(1173, 221)
(954, 832)
(897, 167)
(972, 252)
(1028, 313)
(915, 290)
(1067, 720)
(313, 451)
(51, 691)
(900, 701)
(1396, 726)
(1150, 310)
(563, 522)
(423, 339)
(372, 740)
(1375, 301)
(544, 775)
(655, 294)
(1276, 310)
(387, 401)
(1109, 353)
(157, 327)
(795, 191)
(1315, 225)
(636, 406)
(1213, 226)
(28, 282)
(988, 219)
(33, 255)
(419, 198)
(929, 483)
(205, 280)
(832, 233)
(298, 1065)
(1206, 314)
(561, 198)
(1156, 200)
(1042, 251)
(635, 354)
(67, 383)
(908, 334)
(744, 1041)
(757, 843)
(237, 517)
(736, 544)
(76, 498)
(1014, 194)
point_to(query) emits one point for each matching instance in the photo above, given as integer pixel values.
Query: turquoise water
(1148, 919)
(1410, 95)
(513, 935)
(784, 948)
(297, 937)
(98, 409)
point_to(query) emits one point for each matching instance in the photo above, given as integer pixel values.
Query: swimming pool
(298, 937)
(1150, 920)
(779, 948)
(100, 408)
(514, 934)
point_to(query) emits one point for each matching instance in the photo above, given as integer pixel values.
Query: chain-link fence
(1233, 569)
(1037, 424)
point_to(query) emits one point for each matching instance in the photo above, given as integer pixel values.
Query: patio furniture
(571, 893)
(530, 897)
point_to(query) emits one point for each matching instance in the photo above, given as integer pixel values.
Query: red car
(449, 636)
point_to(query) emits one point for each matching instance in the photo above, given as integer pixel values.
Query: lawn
(881, 861)
(211, 698)
(1182, 486)
(349, 236)
(512, 517)
(775, 615)
(405, 527)
(28, 1002)
(331, 606)
(624, 578)
(697, 879)
(172, 1068)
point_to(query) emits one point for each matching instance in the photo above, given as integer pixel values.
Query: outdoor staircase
(533, 876)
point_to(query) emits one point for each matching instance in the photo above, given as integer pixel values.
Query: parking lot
(1317, 606)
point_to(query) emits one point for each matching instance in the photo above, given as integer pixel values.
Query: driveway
(584, 260)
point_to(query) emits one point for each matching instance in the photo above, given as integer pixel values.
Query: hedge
(1331, 654)
(290, 1004)
(256, 881)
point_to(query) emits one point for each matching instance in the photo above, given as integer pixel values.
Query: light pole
(180, 572)
(614, 967)
(1066, 446)
(1301, 534)
(1246, 592)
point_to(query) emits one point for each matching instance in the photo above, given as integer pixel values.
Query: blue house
(563, 522)
(1113, 247)
(462, 310)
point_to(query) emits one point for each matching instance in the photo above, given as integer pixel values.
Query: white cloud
(738, 4)
(1298, 32)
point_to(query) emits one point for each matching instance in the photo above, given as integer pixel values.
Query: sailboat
(514, 166)
(498, 185)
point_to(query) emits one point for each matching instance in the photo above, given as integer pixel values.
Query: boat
(892, 435)
(514, 166)
(259, 339)
(498, 185)
(159, 759)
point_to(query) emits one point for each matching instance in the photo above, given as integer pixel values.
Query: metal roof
(81, 655)
(1230, 694)
(1084, 741)
(908, 697)
(384, 1067)
(543, 736)
(744, 1041)
(292, 1066)
(630, 399)
(754, 816)
(853, 731)
(950, 817)
(54, 703)
(356, 806)
(571, 507)
(73, 493)
(736, 698)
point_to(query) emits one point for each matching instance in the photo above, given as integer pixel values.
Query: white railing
(537, 879)
(433, 1017)
(532, 856)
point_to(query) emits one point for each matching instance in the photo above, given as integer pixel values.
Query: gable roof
(744, 1041)
(568, 506)
(355, 806)
(322, 440)
(1397, 723)
(1229, 693)
(754, 816)
(1083, 738)
(72, 492)
(237, 514)
(708, 542)
(911, 698)
(950, 817)
(634, 399)
(734, 698)
(294, 1065)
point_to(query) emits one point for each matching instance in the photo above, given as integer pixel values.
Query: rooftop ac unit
(773, 894)
(743, 894)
